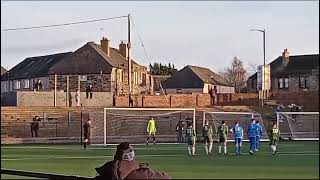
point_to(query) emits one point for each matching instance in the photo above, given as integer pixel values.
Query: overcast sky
(207, 34)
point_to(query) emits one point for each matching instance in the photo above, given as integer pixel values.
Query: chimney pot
(285, 57)
(123, 49)
(105, 45)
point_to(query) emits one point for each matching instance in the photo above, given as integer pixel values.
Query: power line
(140, 39)
(64, 24)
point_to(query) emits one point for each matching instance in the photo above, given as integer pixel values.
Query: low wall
(308, 99)
(171, 100)
(46, 98)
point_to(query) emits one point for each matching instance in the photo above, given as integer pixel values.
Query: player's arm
(148, 127)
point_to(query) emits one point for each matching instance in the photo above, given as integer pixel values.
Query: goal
(244, 119)
(130, 124)
(298, 125)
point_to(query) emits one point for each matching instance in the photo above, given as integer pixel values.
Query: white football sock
(189, 150)
(206, 148)
(220, 149)
(210, 147)
(193, 150)
(275, 148)
(225, 149)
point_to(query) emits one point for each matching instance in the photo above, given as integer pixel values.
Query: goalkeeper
(207, 137)
(151, 129)
(274, 138)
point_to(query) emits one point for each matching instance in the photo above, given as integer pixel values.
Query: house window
(286, 82)
(303, 82)
(283, 83)
(280, 83)
(17, 84)
(26, 83)
(144, 79)
(135, 78)
(6, 86)
(120, 75)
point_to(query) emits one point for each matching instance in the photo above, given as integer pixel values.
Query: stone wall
(45, 98)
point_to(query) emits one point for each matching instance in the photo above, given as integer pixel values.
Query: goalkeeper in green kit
(207, 134)
(274, 138)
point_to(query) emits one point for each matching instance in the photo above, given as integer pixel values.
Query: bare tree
(235, 75)
(251, 68)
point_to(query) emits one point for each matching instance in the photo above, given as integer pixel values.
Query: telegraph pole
(129, 60)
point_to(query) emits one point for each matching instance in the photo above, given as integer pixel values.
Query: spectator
(124, 166)
(179, 129)
(130, 100)
(35, 127)
(78, 98)
(89, 92)
(38, 85)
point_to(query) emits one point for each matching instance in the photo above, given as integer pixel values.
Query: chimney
(105, 46)
(285, 57)
(123, 49)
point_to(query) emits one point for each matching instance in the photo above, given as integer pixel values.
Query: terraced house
(102, 66)
(291, 74)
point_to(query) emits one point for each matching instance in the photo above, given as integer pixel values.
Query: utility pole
(264, 91)
(129, 60)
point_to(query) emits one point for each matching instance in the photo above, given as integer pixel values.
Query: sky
(207, 33)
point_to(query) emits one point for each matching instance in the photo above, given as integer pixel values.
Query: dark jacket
(127, 170)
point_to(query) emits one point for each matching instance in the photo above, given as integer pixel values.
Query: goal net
(244, 119)
(130, 124)
(298, 125)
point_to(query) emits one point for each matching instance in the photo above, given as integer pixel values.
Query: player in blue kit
(251, 131)
(258, 135)
(237, 130)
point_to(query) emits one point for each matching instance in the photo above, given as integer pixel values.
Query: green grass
(295, 160)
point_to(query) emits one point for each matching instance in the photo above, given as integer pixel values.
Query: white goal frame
(278, 114)
(146, 109)
(236, 113)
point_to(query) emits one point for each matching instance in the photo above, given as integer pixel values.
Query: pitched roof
(193, 77)
(90, 59)
(208, 76)
(3, 70)
(299, 64)
(66, 63)
(34, 66)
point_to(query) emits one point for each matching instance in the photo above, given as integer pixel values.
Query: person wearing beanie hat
(124, 166)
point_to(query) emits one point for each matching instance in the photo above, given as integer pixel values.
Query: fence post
(81, 127)
(56, 128)
(69, 117)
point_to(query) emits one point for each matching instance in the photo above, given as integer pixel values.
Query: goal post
(244, 119)
(130, 124)
(298, 125)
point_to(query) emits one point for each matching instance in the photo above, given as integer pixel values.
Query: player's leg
(225, 146)
(193, 146)
(154, 138)
(148, 138)
(206, 141)
(236, 145)
(252, 144)
(240, 146)
(257, 145)
(85, 143)
(210, 145)
(189, 142)
(219, 148)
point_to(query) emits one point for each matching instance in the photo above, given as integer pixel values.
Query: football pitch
(294, 160)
